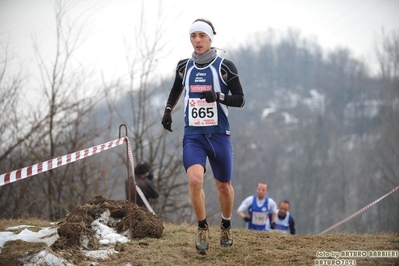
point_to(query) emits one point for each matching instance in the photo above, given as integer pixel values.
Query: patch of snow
(45, 258)
(100, 254)
(49, 235)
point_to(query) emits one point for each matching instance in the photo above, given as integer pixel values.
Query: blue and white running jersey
(284, 224)
(201, 117)
(259, 215)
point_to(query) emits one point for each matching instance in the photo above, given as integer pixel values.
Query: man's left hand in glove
(273, 225)
(210, 96)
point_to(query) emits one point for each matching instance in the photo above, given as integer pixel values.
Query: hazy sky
(346, 23)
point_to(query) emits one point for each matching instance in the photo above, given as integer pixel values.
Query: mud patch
(77, 229)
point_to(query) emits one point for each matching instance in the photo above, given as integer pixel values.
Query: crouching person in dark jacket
(143, 177)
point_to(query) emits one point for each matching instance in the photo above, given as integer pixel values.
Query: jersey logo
(200, 88)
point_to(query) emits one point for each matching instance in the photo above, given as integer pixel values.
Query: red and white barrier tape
(60, 161)
(138, 189)
(70, 158)
(360, 211)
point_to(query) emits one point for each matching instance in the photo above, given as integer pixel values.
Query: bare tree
(380, 156)
(16, 129)
(387, 52)
(9, 95)
(58, 126)
(387, 143)
(139, 108)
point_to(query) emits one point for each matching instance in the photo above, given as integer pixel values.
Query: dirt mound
(78, 229)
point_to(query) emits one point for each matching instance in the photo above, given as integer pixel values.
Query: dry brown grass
(175, 247)
(35, 222)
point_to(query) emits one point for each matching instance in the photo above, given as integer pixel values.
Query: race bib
(259, 218)
(201, 113)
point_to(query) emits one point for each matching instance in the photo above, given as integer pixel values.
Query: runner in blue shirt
(285, 221)
(209, 85)
(258, 209)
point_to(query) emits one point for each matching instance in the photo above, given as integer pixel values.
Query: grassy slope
(250, 248)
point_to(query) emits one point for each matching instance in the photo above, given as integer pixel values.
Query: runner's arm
(242, 209)
(292, 225)
(177, 88)
(230, 75)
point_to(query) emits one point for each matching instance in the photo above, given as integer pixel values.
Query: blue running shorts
(217, 147)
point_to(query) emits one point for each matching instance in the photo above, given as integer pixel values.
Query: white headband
(202, 26)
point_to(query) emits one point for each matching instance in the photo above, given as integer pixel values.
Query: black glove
(209, 96)
(167, 120)
(273, 225)
(247, 219)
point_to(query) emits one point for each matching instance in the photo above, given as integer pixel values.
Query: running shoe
(226, 237)
(201, 241)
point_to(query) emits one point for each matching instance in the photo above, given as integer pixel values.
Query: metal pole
(128, 181)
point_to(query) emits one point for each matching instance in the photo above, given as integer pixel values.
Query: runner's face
(200, 42)
(261, 191)
(283, 208)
